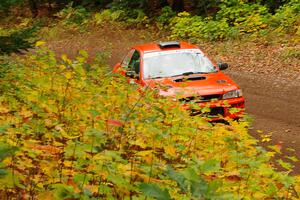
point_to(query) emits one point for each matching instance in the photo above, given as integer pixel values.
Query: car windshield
(176, 63)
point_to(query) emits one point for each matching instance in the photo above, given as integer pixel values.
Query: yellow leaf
(47, 195)
(297, 185)
(170, 150)
(266, 140)
(62, 67)
(65, 58)
(40, 43)
(68, 163)
(48, 122)
(146, 156)
(92, 188)
(68, 75)
(3, 110)
(84, 53)
(26, 113)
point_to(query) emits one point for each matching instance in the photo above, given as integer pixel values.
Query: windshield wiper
(157, 77)
(189, 73)
(183, 74)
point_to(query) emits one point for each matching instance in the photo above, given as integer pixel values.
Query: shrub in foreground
(72, 130)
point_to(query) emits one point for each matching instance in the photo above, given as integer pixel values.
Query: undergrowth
(238, 21)
(72, 130)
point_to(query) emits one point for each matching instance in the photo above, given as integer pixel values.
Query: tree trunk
(33, 5)
(178, 5)
(189, 5)
(182, 5)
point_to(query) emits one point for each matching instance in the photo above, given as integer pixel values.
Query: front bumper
(219, 109)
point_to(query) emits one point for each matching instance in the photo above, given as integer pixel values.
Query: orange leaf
(114, 122)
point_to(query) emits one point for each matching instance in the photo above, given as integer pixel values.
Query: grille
(198, 99)
(214, 112)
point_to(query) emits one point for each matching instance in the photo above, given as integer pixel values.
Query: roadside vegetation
(70, 129)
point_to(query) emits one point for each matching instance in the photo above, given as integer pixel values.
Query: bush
(73, 16)
(247, 18)
(185, 26)
(287, 18)
(72, 130)
(166, 14)
(235, 19)
(17, 41)
(5, 5)
(134, 17)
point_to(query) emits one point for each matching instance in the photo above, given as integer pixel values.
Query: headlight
(233, 94)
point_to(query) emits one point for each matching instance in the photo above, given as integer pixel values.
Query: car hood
(197, 84)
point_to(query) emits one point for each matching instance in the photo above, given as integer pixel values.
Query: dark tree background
(201, 7)
(19, 41)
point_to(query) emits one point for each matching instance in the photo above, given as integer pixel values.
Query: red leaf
(233, 178)
(114, 122)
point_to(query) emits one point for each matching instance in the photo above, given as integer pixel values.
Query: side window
(127, 59)
(134, 64)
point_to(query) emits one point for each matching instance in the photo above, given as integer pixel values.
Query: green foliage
(74, 130)
(6, 4)
(18, 41)
(74, 16)
(185, 26)
(128, 4)
(247, 18)
(217, 20)
(291, 52)
(287, 18)
(166, 14)
(153, 190)
(237, 18)
(135, 17)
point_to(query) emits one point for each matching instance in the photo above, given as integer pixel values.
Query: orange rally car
(184, 70)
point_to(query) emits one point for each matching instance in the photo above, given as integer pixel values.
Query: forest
(72, 129)
(195, 20)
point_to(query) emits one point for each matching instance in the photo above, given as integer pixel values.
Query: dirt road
(274, 105)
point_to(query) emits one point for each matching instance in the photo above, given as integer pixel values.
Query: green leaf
(292, 158)
(3, 173)
(205, 109)
(285, 165)
(199, 188)
(94, 113)
(6, 151)
(64, 192)
(271, 189)
(152, 190)
(118, 180)
(178, 178)
(160, 110)
(3, 128)
(190, 174)
(83, 53)
(210, 166)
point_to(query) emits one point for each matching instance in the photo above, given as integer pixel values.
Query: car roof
(150, 47)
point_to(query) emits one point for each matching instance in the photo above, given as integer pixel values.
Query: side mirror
(223, 66)
(131, 74)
